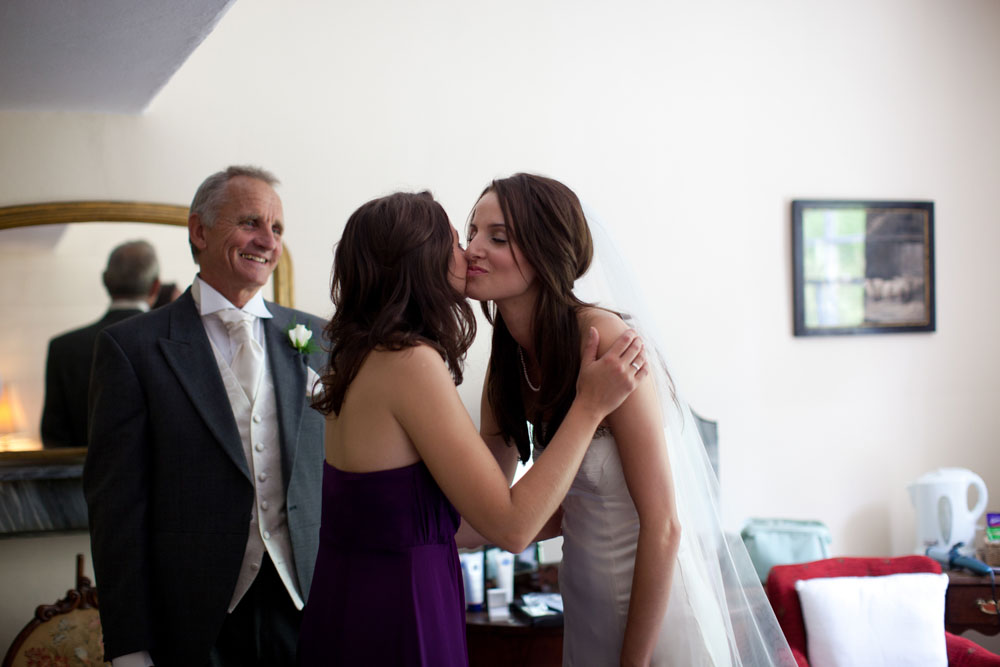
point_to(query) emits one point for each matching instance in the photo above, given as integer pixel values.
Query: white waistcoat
(268, 530)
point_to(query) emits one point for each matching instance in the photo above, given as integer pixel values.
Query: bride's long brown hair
(546, 221)
(390, 289)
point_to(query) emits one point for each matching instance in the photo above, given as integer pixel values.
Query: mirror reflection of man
(205, 462)
(132, 282)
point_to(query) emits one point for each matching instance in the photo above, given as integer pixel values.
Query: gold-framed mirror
(54, 213)
(38, 243)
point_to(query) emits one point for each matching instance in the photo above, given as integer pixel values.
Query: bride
(648, 576)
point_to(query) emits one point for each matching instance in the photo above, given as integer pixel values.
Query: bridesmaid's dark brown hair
(390, 289)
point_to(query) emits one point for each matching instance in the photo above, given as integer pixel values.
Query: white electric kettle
(941, 499)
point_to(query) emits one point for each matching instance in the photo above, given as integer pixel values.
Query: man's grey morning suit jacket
(167, 483)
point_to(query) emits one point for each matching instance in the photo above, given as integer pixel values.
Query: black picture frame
(862, 267)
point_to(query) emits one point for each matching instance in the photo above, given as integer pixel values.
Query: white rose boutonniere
(300, 337)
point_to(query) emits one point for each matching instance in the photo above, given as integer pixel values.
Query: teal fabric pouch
(782, 541)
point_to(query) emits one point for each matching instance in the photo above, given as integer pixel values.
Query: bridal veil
(718, 613)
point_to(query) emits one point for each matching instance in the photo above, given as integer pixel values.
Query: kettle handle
(977, 481)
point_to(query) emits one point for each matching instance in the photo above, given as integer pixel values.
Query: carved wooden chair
(65, 633)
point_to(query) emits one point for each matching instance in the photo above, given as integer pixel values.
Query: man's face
(240, 251)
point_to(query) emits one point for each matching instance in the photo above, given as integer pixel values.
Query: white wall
(693, 125)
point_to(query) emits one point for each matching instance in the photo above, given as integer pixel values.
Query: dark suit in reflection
(67, 380)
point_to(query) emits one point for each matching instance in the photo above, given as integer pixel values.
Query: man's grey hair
(209, 197)
(132, 270)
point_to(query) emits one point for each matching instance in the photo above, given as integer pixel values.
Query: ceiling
(105, 56)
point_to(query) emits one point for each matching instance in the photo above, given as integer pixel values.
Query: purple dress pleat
(387, 589)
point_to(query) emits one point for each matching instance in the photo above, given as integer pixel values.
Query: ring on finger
(635, 366)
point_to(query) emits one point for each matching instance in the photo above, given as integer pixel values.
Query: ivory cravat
(248, 356)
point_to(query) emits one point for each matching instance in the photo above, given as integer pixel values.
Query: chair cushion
(894, 620)
(73, 638)
(785, 601)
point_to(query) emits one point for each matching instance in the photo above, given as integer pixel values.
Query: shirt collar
(129, 304)
(209, 300)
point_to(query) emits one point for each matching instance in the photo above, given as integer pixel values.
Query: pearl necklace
(524, 367)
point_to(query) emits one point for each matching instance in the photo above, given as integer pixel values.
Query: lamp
(12, 420)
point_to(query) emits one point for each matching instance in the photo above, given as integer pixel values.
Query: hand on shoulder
(607, 377)
(608, 324)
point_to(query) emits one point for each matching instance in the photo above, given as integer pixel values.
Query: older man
(132, 279)
(205, 461)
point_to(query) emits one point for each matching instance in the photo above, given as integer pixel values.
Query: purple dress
(388, 586)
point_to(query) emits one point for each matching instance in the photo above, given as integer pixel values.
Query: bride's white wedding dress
(600, 529)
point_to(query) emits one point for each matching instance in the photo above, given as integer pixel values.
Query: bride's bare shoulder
(609, 325)
(604, 320)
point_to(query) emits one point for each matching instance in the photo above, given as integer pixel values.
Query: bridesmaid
(403, 458)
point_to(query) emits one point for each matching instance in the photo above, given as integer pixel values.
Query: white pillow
(892, 620)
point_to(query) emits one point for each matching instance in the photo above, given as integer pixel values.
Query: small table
(510, 642)
(969, 604)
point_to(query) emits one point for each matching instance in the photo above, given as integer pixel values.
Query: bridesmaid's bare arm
(467, 473)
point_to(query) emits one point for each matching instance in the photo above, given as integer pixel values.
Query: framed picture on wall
(862, 267)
